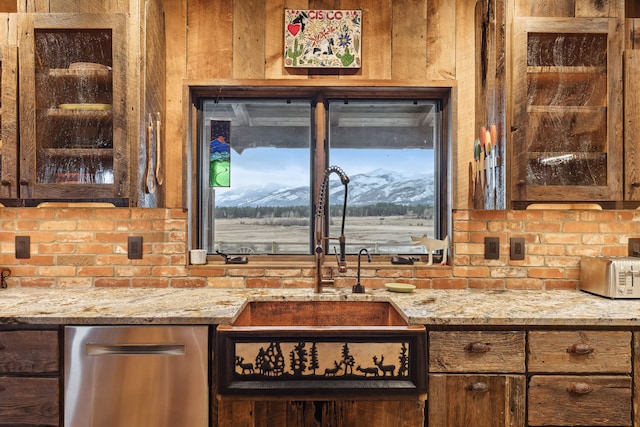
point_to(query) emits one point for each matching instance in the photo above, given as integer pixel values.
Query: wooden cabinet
(567, 109)
(476, 378)
(29, 378)
(73, 125)
(579, 378)
(8, 122)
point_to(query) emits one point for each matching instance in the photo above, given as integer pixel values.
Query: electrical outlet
(134, 247)
(491, 248)
(634, 246)
(516, 248)
(23, 244)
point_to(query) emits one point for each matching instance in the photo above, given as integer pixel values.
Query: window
(392, 148)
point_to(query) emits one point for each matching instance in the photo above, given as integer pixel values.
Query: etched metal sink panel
(320, 349)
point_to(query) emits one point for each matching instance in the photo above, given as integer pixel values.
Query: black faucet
(358, 288)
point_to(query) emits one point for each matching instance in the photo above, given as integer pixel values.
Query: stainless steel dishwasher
(136, 376)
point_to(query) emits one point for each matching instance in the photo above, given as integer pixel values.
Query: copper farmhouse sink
(320, 313)
(316, 349)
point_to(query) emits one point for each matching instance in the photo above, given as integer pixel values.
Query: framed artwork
(322, 38)
(220, 154)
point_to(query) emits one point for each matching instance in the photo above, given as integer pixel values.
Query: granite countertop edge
(140, 306)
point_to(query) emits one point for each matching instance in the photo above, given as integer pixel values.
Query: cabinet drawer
(579, 400)
(477, 351)
(29, 401)
(29, 351)
(579, 352)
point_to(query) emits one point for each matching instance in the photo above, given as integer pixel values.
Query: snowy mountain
(379, 186)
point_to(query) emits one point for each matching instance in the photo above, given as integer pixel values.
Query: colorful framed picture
(322, 38)
(220, 154)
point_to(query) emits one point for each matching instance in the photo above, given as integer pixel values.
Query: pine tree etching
(298, 359)
(270, 362)
(403, 370)
(347, 360)
(313, 354)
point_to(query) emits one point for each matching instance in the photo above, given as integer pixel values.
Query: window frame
(309, 89)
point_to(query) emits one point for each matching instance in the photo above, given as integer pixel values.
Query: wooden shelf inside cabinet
(562, 109)
(66, 72)
(85, 114)
(79, 152)
(561, 156)
(556, 71)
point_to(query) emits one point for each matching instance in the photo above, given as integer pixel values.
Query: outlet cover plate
(491, 248)
(134, 247)
(23, 244)
(516, 248)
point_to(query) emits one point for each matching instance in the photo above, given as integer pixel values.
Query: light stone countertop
(220, 306)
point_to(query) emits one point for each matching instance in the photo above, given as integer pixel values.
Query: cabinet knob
(521, 182)
(478, 387)
(477, 347)
(579, 388)
(635, 184)
(580, 348)
(5, 182)
(24, 182)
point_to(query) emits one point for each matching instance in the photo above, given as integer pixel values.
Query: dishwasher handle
(94, 349)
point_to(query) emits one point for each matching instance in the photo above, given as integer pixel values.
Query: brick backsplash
(84, 248)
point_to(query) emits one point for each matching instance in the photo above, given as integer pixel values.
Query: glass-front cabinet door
(72, 111)
(567, 110)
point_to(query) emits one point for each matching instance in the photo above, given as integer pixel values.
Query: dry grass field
(389, 234)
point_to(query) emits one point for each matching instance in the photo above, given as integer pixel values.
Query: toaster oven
(612, 277)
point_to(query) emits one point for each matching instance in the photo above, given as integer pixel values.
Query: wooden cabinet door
(73, 117)
(476, 400)
(566, 95)
(29, 401)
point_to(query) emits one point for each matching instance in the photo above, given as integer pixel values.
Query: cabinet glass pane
(74, 97)
(566, 103)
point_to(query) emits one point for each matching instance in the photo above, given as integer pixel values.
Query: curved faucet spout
(358, 288)
(320, 218)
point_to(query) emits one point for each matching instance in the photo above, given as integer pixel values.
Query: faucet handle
(342, 263)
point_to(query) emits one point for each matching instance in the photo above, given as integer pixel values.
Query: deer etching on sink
(246, 367)
(331, 372)
(368, 371)
(384, 368)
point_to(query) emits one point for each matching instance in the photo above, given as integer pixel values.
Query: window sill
(308, 263)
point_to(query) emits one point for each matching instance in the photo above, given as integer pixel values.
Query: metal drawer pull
(136, 349)
(477, 347)
(478, 387)
(580, 348)
(579, 388)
